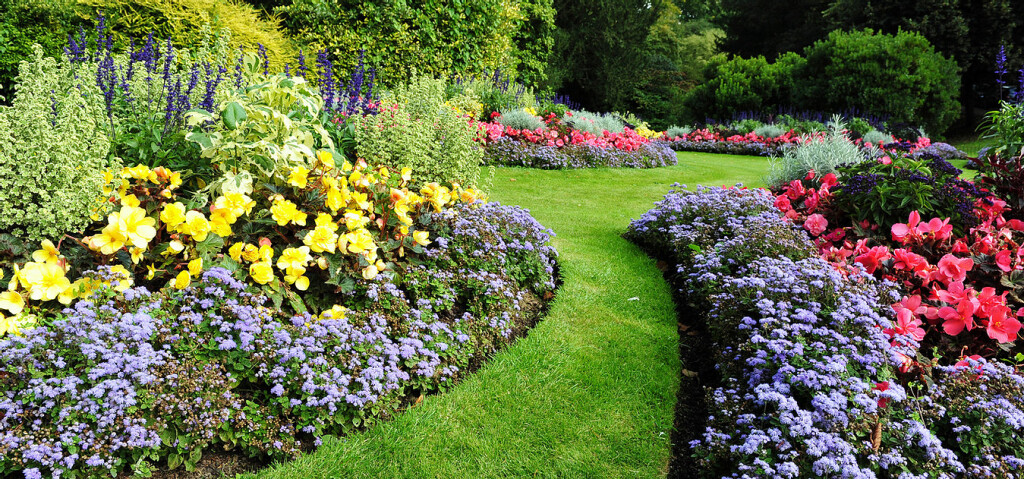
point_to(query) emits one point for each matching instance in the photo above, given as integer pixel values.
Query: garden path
(591, 391)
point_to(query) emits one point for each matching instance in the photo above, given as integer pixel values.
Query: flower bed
(558, 147)
(752, 144)
(256, 325)
(809, 356)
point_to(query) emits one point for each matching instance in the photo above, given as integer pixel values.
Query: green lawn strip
(591, 391)
(970, 144)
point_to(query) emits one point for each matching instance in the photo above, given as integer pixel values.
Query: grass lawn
(971, 144)
(591, 391)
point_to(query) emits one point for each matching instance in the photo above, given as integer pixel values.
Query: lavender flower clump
(121, 376)
(807, 378)
(511, 152)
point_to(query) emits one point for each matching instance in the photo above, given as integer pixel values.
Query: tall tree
(771, 27)
(598, 49)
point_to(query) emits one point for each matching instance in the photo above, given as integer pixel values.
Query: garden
(310, 238)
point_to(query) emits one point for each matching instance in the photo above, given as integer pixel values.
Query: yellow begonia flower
(136, 228)
(17, 279)
(380, 266)
(322, 263)
(221, 221)
(235, 251)
(336, 312)
(302, 283)
(130, 200)
(321, 239)
(250, 253)
(370, 272)
(284, 212)
(407, 174)
(150, 272)
(8, 325)
(48, 254)
(238, 203)
(173, 214)
(108, 241)
(174, 247)
(421, 237)
(360, 200)
(45, 281)
(335, 200)
(355, 220)
(262, 272)
(324, 219)
(140, 172)
(123, 277)
(294, 258)
(298, 177)
(346, 166)
(266, 253)
(182, 280)
(136, 254)
(12, 302)
(325, 158)
(196, 226)
(360, 241)
(195, 266)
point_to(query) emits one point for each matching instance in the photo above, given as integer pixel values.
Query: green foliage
(520, 120)
(431, 37)
(676, 131)
(28, 22)
(263, 131)
(184, 22)
(495, 92)
(800, 126)
(416, 129)
(899, 76)
(823, 156)
(599, 48)
(770, 131)
(594, 123)
(745, 126)
(1006, 127)
(52, 152)
(744, 84)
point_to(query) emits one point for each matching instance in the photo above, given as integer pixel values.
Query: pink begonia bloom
(900, 231)
(816, 224)
(906, 324)
(956, 320)
(1004, 261)
(1002, 327)
(885, 160)
(783, 204)
(955, 269)
(873, 258)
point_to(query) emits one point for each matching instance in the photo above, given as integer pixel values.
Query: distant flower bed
(813, 355)
(752, 144)
(511, 152)
(556, 145)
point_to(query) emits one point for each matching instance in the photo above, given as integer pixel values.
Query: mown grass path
(591, 391)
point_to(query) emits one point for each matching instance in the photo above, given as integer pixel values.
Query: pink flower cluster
(706, 135)
(628, 140)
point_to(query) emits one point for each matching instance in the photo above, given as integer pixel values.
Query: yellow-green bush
(52, 152)
(183, 21)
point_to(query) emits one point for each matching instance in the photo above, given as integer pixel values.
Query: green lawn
(591, 391)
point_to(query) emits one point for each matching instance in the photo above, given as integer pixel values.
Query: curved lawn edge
(590, 392)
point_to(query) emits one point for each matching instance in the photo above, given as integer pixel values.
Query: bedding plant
(280, 289)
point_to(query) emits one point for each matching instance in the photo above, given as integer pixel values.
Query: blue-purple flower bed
(137, 379)
(806, 381)
(511, 152)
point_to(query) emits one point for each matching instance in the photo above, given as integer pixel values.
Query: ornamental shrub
(677, 131)
(876, 138)
(428, 37)
(184, 22)
(29, 22)
(738, 84)
(53, 152)
(770, 131)
(520, 120)
(595, 123)
(416, 129)
(823, 155)
(899, 76)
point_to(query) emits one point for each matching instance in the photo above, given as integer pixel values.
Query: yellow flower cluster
(362, 216)
(648, 133)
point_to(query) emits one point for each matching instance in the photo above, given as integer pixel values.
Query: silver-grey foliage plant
(822, 155)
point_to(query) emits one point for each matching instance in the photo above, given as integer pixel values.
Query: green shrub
(744, 84)
(858, 126)
(594, 123)
(745, 126)
(899, 76)
(52, 152)
(770, 131)
(800, 126)
(495, 92)
(677, 131)
(428, 37)
(876, 138)
(1006, 127)
(822, 156)
(416, 129)
(184, 22)
(520, 120)
(24, 23)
